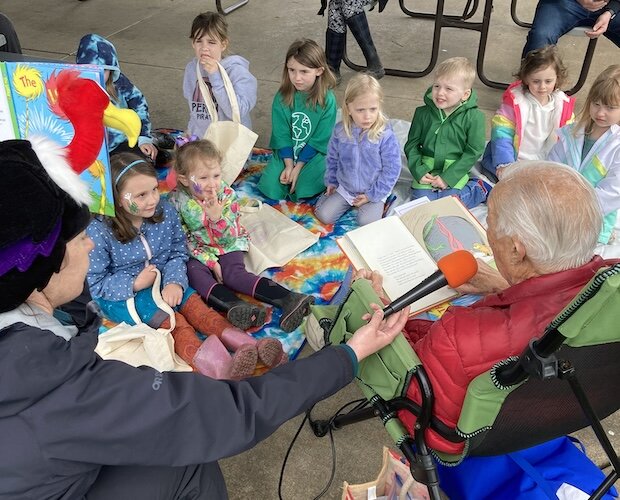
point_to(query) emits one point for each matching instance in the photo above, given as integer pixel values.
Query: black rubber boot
(334, 51)
(240, 313)
(358, 24)
(295, 306)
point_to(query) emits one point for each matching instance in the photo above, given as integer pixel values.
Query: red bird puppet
(87, 106)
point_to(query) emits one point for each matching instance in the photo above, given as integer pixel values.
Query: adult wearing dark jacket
(76, 426)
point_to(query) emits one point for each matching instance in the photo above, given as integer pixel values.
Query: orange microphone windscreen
(458, 267)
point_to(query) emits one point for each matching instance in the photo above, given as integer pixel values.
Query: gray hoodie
(243, 82)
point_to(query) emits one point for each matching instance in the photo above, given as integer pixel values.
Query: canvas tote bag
(234, 140)
(274, 238)
(394, 482)
(140, 344)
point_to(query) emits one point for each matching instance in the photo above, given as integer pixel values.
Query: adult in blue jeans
(555, 18)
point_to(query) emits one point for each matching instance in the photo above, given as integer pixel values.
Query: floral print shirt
(207, 239)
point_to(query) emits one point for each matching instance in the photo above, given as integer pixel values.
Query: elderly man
(555, 18)
(544, 221)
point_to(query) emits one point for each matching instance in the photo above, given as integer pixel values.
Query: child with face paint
(217, 242)
(145, 235)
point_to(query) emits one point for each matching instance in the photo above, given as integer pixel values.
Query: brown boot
(203, 318)
(214, 360)
(186, 342)
(211, 357)
(210, 322)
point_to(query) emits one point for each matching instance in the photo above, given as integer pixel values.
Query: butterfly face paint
(205, 180)
(140, 196)
(196, 188)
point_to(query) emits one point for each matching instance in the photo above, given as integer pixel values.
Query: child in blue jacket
(363, 156)
(94, 49)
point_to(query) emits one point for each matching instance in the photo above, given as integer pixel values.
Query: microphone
(455, 269)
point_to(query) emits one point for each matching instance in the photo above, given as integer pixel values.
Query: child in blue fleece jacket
(94, 49)
(363, 156)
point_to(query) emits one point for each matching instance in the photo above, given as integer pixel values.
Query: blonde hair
(539, 59)
(196, 151)
(121, 224)
(111, 88)
(460, 67)
(362, 84)
(307, 53)
(606, 90)
(209, 23)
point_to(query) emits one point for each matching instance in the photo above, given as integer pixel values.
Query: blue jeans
(555, 18)
(471, 194)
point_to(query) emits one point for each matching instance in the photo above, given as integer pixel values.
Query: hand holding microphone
(455, 269)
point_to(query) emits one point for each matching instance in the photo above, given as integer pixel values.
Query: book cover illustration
(35, 91)
(444, 226)
(445, 235)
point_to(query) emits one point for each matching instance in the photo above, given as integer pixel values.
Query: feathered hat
(43, 206)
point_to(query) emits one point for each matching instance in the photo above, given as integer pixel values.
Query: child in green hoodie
(447, 137)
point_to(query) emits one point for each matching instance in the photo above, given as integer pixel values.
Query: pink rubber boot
(214, 360)
(270, 351)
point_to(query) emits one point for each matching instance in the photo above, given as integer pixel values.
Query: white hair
(552, 210)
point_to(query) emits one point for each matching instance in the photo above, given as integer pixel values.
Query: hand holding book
(405, 250)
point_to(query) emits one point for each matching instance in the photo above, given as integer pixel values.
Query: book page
(357, 261)
(388, 247)
(405, 207)
(8, 125)
(444, 226)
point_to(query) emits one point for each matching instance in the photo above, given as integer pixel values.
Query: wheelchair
(566, 380)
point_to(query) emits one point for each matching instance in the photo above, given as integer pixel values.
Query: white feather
(53, 159)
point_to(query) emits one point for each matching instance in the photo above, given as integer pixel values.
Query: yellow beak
(125, 120)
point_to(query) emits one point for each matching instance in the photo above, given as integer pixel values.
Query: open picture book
(405, 249)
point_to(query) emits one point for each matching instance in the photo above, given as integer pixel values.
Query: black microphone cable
(361, 403)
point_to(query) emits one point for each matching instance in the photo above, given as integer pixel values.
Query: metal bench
(463, 22)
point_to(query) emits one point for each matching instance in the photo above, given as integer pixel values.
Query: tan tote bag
(274, 238)
(141, 345)
(234, 140)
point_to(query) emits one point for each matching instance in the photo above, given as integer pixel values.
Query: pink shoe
(270, 351)
(213, 360)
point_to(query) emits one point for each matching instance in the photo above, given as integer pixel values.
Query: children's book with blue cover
(38, 110)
